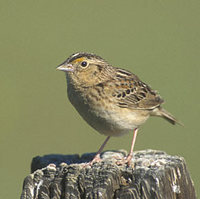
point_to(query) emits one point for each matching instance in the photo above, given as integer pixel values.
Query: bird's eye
(84, 64)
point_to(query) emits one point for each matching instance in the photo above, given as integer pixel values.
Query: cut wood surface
(152, 175)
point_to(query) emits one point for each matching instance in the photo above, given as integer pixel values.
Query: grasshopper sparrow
(112, 100)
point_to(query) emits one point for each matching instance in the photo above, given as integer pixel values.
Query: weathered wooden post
(155, 175)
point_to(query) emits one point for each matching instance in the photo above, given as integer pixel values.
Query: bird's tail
(166, 115)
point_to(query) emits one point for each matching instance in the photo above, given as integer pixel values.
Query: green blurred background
(158, 40)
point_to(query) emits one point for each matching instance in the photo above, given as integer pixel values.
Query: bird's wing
(130, 92)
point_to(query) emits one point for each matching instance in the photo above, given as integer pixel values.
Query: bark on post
(153, 175)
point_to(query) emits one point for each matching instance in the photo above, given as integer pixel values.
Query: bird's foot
(95, 159)
(127, 160)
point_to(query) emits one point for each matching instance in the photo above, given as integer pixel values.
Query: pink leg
(97, 156)
(130, 155)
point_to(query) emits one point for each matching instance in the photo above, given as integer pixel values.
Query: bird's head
(84, 68)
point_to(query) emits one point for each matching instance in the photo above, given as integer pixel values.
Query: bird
(110, 99)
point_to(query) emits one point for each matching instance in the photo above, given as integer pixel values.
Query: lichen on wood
(153, 175)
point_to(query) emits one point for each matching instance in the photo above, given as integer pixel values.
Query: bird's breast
(104, 115)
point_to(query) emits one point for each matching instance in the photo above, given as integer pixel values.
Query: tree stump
(153, 175)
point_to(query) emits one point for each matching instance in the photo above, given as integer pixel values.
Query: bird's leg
(97, 156)
(130, 155)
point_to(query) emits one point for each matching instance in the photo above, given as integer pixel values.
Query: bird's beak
(65, 67)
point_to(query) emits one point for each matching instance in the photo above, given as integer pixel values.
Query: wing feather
(131, 92)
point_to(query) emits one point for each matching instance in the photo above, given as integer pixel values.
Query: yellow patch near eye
(78, 60)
